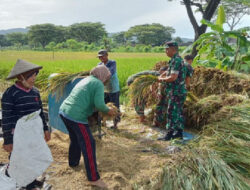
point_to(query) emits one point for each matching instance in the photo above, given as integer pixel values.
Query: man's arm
(170, 78)
(112, 67)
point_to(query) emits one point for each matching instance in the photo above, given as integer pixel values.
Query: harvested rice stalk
(201, 169)
(59, 81)
(211, 81)
(229, 137)
(159, 65)
(140, 90)
(106, 116)
(201, 112)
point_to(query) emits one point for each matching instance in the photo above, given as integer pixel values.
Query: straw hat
(20, 67)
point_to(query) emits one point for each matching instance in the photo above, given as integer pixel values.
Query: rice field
(127, 63)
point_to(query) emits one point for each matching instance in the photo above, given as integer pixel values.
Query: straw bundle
(200, 113)
(159, 65)
(209, 81)
(141, 90)
(229, 136)
(106, 116)
(59, 81)
(201, 169)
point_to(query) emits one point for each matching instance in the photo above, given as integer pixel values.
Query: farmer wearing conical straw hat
(175, 91)
(19, 100)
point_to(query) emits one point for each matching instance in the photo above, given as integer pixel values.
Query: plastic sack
(6, 183)
(30, 156)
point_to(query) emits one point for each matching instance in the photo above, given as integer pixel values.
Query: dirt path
(127, 158)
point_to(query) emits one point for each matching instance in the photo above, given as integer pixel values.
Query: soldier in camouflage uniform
(175, 92)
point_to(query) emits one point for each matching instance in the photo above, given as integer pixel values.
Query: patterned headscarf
(101, 72)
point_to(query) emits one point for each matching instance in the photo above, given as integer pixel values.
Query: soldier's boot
(168, 136)
(178, 134)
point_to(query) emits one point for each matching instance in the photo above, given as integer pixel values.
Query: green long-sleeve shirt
(85, 96)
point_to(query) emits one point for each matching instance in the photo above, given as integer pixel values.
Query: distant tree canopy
(3, 41)
(119, 38)
(87, 31)
(150, 34)
(17, 38)
(45, 33)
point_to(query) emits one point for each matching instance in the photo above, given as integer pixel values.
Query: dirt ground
(127, 158)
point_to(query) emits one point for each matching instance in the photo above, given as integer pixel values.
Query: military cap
(171, 44)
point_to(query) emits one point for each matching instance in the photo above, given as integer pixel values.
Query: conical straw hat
(20, 67)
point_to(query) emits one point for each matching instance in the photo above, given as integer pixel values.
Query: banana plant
(223, 49)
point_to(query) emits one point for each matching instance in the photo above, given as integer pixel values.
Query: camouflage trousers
(175, 118)
(160, 115)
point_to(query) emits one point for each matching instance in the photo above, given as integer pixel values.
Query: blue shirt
(113, 85)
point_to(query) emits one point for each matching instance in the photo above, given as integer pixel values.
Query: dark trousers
(81, 140)
(112, 97)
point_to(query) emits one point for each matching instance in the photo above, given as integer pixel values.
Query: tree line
(87, 35)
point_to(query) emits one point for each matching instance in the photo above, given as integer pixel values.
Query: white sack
(6, 183)
(30, 156)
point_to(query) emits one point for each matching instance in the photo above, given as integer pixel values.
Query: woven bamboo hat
(20, 67)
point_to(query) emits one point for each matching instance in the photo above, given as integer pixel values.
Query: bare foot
(99, 183)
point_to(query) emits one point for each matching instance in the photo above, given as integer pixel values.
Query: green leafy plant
(223, 49)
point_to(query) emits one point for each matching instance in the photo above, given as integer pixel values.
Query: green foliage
(220, 48)
(17, 38)
(72, 44)
(150, 34)
(74, 62)
(44, 33)
(87, 31)
(221, 17)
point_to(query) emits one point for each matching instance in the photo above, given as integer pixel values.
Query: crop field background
(72, 62)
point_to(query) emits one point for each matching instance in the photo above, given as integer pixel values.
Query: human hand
(47, 136)
(111, 111)
(8, 147)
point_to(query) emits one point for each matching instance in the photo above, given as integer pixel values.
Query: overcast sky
(117, 15)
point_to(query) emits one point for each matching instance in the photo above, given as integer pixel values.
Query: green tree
(17, 38)
(178, 40)
(73, 44)
(3, 41)
(46, 33)
(119, 38)
(150, 34)
(87, 31)
(206, 8)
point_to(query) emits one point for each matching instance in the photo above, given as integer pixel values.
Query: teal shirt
(87, 95)
(176, 66)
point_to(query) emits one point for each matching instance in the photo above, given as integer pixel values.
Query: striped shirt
(16, 103)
